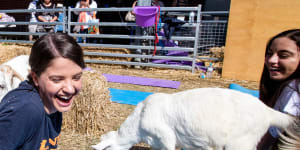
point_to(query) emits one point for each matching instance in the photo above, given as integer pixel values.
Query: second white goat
(205, 118)
(12, 73)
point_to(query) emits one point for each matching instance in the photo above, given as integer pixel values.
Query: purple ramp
(142, 81)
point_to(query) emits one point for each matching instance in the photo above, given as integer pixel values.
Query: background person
(32, 28)
(280, 83)
(46, 16)
(179, 3)
(158, 3)
(31, 115)
(84, 16)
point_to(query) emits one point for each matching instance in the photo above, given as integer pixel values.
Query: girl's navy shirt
(24, 124)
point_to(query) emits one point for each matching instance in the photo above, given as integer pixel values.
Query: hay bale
(217, 52)
(89, 113)
(9, 51)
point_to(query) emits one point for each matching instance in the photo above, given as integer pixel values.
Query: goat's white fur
(205, 118)
(12, 73)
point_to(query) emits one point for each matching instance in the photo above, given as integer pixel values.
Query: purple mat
(160, 61)
(142, 81)
(177, 53)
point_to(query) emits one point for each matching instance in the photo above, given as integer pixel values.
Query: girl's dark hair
(41, 2)
(269, 89)
(51, 46)
(90, 2)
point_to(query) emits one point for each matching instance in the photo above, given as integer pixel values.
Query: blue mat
(243, 89)
(127, 96)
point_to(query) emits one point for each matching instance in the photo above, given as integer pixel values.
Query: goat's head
(109, 142)
(6, 79)
(6, 76)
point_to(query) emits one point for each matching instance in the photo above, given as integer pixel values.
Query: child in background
(85, 16)
(32, 28)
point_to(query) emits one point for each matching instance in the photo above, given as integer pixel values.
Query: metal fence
(191, 41)
(7, 30)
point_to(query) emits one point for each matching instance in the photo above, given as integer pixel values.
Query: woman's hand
(53, 19)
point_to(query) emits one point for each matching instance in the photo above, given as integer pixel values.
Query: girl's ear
(34, 78)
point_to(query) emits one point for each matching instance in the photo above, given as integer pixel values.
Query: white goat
(205, 118)
(12, 73)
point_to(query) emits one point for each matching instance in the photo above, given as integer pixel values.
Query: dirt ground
(72, 141)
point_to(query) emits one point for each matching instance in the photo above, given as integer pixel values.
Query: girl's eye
(56, 80)
(77, 77)
(284, 54)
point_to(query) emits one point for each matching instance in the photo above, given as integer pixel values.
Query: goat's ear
(103, 145)
(100, 147)
(34, 78)
(106, 141)
(7, 70)
(8, 74)
(17, 75)
(106, 147)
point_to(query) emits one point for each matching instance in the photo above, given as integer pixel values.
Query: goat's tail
(279, 119)
(290, 141)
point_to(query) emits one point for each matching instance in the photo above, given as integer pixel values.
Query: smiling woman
(280, 83)
(31, 115)
(282, 58)
(58, 85)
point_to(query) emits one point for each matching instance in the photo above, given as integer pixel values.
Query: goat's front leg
(163, 137)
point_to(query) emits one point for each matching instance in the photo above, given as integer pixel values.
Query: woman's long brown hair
(269, 89)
